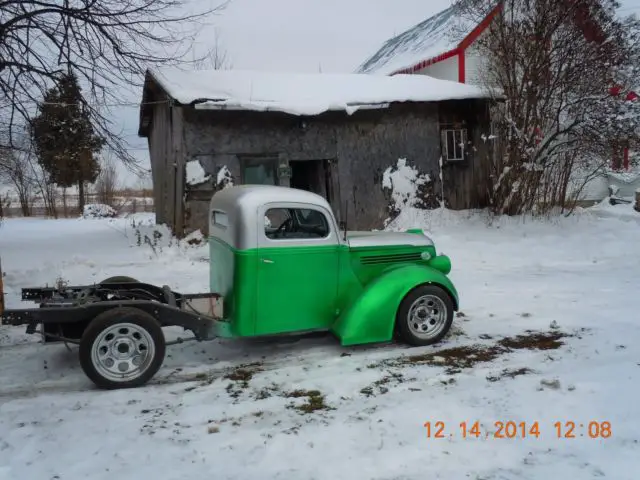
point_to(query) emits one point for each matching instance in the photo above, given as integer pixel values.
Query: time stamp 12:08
(511, 429)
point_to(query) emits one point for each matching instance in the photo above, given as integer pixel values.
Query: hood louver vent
(398, 257)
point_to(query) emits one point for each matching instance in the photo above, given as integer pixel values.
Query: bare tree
(45, 187)
(106, 185)
(22, 165)
(217, 58)
(552, 63)
(15, 171)
(5, 204)
(107, 43)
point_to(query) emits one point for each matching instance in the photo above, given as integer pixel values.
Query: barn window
(453, 144)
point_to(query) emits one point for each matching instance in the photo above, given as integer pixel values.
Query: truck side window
(295, 223)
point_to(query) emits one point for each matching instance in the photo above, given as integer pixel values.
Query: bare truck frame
(64, 310)
(67, 314)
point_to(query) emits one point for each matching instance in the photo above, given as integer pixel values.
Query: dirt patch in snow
(381, 386)
(240, 377)
(534, 341)
(314, 400)
(457, 358)
(509, 373)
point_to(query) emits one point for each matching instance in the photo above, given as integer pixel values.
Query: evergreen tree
(65, 141)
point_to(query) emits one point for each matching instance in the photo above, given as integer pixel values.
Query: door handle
(266, 260)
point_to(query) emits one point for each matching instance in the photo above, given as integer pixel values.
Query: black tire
(435, 299)
(120, 279)
(142, 329)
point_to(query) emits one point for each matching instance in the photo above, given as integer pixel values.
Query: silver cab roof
(240, 205)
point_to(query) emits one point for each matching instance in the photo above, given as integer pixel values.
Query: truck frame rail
(65, 311)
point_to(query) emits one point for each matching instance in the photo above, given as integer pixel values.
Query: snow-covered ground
(305, 408)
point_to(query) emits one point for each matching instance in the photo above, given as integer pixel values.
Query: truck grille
(394, 258)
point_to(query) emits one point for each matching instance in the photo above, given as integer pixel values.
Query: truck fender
(371, 317)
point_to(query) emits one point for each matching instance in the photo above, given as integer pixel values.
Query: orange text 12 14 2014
(518, 429)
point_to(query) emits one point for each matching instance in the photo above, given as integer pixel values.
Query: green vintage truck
(279, 264)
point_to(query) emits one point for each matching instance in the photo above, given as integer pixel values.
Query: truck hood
(414, 238)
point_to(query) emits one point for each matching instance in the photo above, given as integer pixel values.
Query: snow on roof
(304, 93)
(436, 35)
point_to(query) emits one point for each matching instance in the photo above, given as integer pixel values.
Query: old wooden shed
(333, 134)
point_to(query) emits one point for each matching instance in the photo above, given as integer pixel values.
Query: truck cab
(281, 264)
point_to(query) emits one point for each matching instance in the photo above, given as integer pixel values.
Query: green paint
(372, 316)
(352, 292)
(298, 290)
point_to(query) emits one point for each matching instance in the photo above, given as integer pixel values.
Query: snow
(195, 173)
(435, 36)
(404, 181)
(304, 93)
(573, 275)
(98, 210)
(224, 178)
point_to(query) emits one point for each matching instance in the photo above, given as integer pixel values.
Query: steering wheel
(283, 226)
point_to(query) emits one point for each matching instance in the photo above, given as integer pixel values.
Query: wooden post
(637, 205)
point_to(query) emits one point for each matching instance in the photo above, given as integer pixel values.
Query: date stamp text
(512, 429)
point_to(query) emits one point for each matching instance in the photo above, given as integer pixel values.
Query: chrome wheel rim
(427, 317)
(122, 352)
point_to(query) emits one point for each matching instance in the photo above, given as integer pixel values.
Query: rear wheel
(425, 315)
(122, 348)
(120, 279)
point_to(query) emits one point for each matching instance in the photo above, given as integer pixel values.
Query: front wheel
(425, 315)
(122, 348)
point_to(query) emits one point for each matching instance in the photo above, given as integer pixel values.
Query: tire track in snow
(174, 374)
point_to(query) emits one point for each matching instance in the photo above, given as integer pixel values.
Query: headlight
(442, 263)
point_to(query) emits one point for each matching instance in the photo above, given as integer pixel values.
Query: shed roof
(298, 93)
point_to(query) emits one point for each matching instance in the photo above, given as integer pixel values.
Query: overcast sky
(303, 36)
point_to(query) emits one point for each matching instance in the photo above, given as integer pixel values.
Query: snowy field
(549, 332)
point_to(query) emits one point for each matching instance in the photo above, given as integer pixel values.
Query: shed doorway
(317, 176)
(310, 175)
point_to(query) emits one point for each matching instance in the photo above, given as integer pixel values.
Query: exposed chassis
(66, 311)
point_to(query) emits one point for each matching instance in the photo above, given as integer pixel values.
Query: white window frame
(459, 153)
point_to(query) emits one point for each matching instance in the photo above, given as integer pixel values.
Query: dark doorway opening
(310, 175)
(317, 176)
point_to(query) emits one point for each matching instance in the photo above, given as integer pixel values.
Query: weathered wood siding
(179, 161)
(464, 184)
(160, 147)
(167, 158)
(377, 141)
(361, 147)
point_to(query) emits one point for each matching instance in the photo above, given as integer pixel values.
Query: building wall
(475, 64)
(167, 157)
(444, 70)
(464, 181)
(360, 147)
(160, 147)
